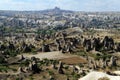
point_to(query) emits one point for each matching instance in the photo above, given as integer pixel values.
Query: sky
(75, 5)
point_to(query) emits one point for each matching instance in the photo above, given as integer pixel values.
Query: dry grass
(104, 78)
(73, 60)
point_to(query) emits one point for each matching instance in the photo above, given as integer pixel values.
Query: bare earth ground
(65, 58)
(48, 55)
(73, 60)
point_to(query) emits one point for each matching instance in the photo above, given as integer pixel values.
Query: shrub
(4, 68)
(2, 60)
(25, 63)
(66, 67)
(51, 72)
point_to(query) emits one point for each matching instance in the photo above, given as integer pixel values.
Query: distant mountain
(56, 10)
(53, 11)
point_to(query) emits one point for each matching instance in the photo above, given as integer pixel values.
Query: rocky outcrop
(45, 48)
(108, 43)
(60, 70)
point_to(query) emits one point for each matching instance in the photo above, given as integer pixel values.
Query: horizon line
(60, 9)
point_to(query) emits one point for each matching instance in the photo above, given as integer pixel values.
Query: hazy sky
(77, 5)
